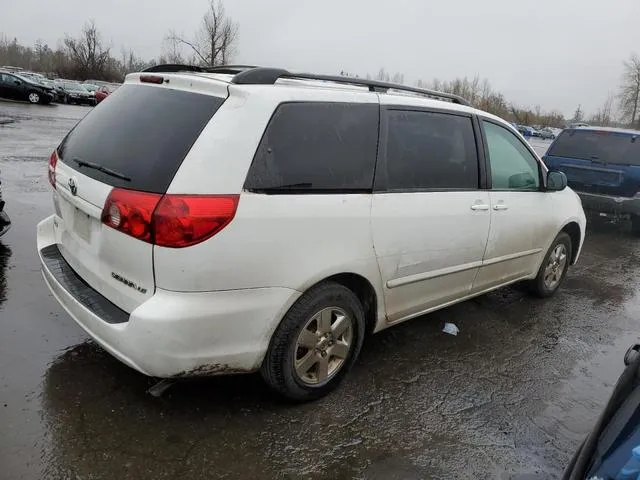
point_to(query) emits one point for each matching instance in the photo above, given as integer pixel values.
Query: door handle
(500, 206)
(479, 206)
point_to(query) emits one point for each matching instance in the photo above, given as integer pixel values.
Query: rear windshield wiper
(95, 166)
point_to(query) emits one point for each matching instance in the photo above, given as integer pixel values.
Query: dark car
(603, 166)
(76, 93)
(612, 449)
(16, 87)
(5, 223)
(59, 95)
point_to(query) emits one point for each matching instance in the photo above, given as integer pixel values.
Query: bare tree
(578, 116)
(216, 40)
(603, 116)
(87, 54)
(629, 94)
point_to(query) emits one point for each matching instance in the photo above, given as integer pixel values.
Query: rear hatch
(134, 143)
(603, 162)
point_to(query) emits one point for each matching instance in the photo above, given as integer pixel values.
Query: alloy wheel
(323, 345)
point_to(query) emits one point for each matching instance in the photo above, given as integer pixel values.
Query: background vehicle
(150, 230)
(603, 166)
(75, 93)
(546, 133)
(104, 91)
(5, 222)
(609, 449)
(90, 87)
(16, 87)
(527, 131)
(60, 96)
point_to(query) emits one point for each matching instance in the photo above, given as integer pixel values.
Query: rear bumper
(173, 334)
(610, 204)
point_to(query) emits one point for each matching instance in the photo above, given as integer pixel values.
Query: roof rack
(251, 75)
(269, 76)
(176, 67)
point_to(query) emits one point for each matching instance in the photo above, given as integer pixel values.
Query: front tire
(316, 343)
(554, 267)
(33, 97)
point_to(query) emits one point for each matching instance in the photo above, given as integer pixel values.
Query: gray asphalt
(511, 396)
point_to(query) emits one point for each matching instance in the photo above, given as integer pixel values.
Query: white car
(235, 220)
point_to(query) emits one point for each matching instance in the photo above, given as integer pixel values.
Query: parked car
(90, 87)
(603, 166)
(546, 134)
(75, 93)
(231, 225)
(612, 449)
(5, 221)
(527, 131)
(15, 87)
(60, 96)
(104, 91)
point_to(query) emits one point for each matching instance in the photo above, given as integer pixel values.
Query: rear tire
(316, 343)
(554, 267)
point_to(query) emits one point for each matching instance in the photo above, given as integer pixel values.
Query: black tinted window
(603, 146)
(317, 147)
(430, 150)
(143, 133)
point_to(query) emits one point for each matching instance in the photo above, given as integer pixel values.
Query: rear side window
(317, 147)
(142, 133)
(602, 146)
(426, 150)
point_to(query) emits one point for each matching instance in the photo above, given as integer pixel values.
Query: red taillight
(152, 79)
(53, 161)
(173, 221)
(184, 220)
(131, 212)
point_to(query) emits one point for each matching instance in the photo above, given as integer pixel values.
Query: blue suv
(603, 166)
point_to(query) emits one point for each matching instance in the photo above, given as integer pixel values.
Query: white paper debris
(451, 329)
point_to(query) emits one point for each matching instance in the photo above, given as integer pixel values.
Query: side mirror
(556, 181)
(17, 82)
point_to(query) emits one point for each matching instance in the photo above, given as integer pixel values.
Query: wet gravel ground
(512, 395)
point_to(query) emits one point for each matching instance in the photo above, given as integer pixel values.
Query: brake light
(152, 79)
(53, 161)
(173, 221)
(131, 212)
(184, 220)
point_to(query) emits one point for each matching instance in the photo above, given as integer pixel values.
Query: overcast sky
(556, 53)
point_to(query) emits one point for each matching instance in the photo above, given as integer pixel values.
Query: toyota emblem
(73, 187)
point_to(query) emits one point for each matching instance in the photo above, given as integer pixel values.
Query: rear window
(142, 133)
(602, 146)
(317, 147)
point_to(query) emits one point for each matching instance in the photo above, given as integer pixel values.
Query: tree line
(89, 56)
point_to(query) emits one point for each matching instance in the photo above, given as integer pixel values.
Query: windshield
(74, 86)
(598, 145)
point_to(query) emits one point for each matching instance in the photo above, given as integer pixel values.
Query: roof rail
(176, 67)
(250, 75)
(269, 76)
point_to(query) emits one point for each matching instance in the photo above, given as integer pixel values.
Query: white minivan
(235, 219)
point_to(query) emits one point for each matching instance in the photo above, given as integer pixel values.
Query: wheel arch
(573, 230)
(365, 292)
